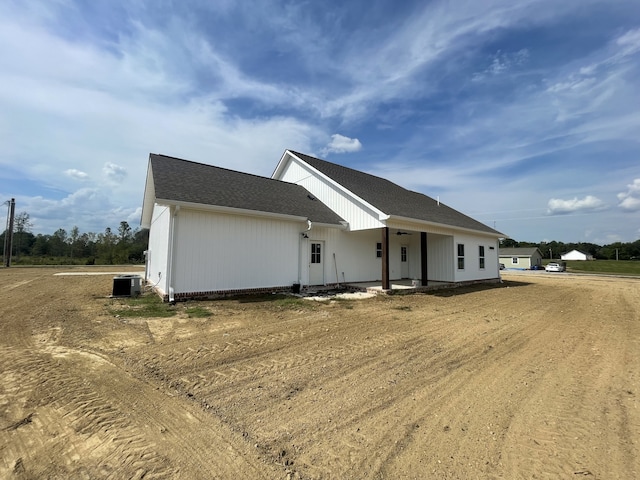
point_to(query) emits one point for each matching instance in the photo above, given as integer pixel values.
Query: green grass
(614, 267)
(197, 312)
(149, 305)
(292, 303)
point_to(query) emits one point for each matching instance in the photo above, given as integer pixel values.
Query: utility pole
(550, 255)
(8, 233)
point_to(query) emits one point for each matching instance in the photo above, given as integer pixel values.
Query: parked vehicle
(554, 267)
(502, 266)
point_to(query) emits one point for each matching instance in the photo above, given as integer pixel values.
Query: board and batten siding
(472, 270)
(349, 256)
(439, 254)
(158, 250)
(218, 251)
(358, 215)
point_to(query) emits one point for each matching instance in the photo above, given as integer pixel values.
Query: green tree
(124, 232)
(73, 239)
(22, 236)
(106, 244)
(58, 243)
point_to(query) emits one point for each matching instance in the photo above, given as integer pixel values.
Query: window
(403, 254)
(315, 253)
(461, 256)
(481, 256)
(379, 250)
(514, 260)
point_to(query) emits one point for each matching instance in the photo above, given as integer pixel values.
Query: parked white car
(554, 267)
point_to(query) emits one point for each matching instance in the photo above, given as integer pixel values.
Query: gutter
(230, 210)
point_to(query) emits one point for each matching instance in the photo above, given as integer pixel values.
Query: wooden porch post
(423, 258)
(385, 258)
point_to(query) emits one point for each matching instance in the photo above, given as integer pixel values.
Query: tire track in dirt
(582, 404)
(92, 429)
(72, 403)
(456, 384)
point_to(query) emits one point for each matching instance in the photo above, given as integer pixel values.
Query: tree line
(613, 251)
(127, 246)
(123, 246)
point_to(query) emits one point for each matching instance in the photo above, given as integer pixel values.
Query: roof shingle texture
(393, 199)
(186, 181)
(517, 251)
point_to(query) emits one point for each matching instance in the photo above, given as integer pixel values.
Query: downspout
(170, 260)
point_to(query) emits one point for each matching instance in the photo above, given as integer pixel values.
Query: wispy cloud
(501, 63)
(511, 102)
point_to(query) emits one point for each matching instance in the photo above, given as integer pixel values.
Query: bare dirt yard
(537, 377)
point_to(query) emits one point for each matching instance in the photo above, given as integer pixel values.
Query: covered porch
(397, 286)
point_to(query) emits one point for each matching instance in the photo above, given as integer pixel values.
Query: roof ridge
(392, 198)
(360, 172)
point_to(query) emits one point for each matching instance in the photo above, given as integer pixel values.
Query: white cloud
(341, 144)
(630, 200)
(113, 172)
(557, 206)
(76, 174)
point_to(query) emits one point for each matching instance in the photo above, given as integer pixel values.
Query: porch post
(385, 258)
(423, 258)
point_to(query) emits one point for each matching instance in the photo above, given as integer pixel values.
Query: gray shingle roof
(186, 181)
(393, 199)
(518, 251)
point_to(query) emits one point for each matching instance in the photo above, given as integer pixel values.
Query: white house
(576, 255)
(215, 231)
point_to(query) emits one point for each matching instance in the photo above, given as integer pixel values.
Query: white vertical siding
(359, 216)
(472, 270)
(216, 251)
(355, 255)
(157, 253)
(440, 258)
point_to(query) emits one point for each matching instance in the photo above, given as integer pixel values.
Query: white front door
(404, 261)
(316, 263)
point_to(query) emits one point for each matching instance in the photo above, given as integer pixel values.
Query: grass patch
(292, 303)
(197, 312)
(615, 267)
(143, 306)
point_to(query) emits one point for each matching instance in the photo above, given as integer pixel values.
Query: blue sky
(524, 115)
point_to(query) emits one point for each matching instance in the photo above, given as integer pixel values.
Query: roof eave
(494, 234)
(240, 211)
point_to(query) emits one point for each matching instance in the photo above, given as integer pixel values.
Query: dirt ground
(537, 377)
